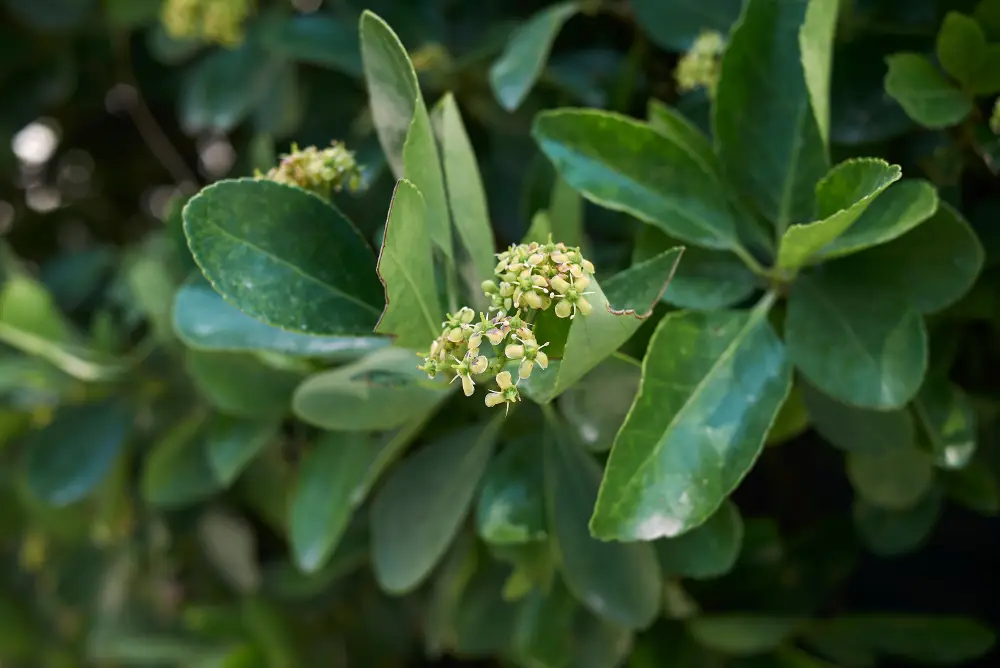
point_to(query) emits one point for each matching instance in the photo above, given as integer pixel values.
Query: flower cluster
(531, 277)
(699, 67)
(322, 172)
(534, 276)
(219, 21)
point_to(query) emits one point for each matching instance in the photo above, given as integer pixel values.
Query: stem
(763, 307)
(750, 261)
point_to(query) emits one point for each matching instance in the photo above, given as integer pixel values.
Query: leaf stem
(750, 261)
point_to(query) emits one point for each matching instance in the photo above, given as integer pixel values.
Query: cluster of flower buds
(536, 276)
(322, 172)
(699, 67)
(218, 21)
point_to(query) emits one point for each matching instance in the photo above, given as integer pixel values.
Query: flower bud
(468, 386)
(563, 309)
(539, 281)
(456, 335)
(514, 351)
(559, 258)
(466, 315)
(582, 282)
(489, 287)
(559, 284)
(506, 289)
(535, 259)
(588, 266)
(524, 368)
(546, 302)
(533, 299)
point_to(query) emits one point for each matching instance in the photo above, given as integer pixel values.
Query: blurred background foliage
(108, 122)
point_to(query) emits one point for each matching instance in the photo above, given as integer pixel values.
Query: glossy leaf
(705, 279)
(816, 39)
(898, 210)
(177, 471)
(223, 88)
(416, 513)
(566, 207)
(403, 124)
(931, 266)
(382, 391)
(841, 198)
(675, 25)
(961, 47)
(233, 443)
(625, 165)
(630, 298)
(862, 346)
(975, 487)
(599, 643)
(923, 639)
(316, 39)
(514, 73)
(895, 479)
(241, 385)
(742, 634)
(889, 533)
(949, 422)
(792, 420)
(619, 582)
(70, 456)
(688, 441)
(925, 94)
(205, 321)
(413, 312)
(466, 194)
(855, 429)
(543, 630)
(707, 551)
(511, 506)
(284, 256)
(769, 138)
(595, 407)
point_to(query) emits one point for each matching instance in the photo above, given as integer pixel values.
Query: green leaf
(920, 638)
(688, 440)
(767, 132)
(949, 422)
(674, 126)
(334, 480)
(412, 312)
(816, 39)
(855, 429)
(707, 551)
(861, 345)
(543, 629)
(595, 407)
(416, 513)
(566, 213)
(924, 93)
(514, 73)
(893, 479)
(675, 25)
(961, 47)
(402, 123)
(315, 39)
(705, 280)
(382, 391)
(890, 533)
(792, 420)
(625, 165)
(70, 456)
(894, 213)
(932, 266)
(742, 634)
(241, 385)
(31, 322)
(599, 643)
(284, 256)
(511, 507)
(974, 486)
(841, 198)
(177, 471)
(222, 89)
(233, 443)
(619, 582)
(203, 320)
(466, 194)
(615, 318)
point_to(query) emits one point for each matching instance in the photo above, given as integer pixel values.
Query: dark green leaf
(54, 15)
(205, 321)
(923, 92)
(862, 346)
(897, 211)
(566, 214)
(523, 59)
(791, 420)
(675, 25)
(223, 88)
(619, 582)
(707, 551)
(412, 312)
(855, 429)
(705, 280)
(416, 513)
(599, 643)
(974, 486)
(241, 385)
(894, 479)
(233, 443)
(284, 256)
(543, 630)
(890, 533)
(742, 634)
(948, 421)
(688, 441)
(381, 391)
(769, 133)
(595, 407)
(961, 47)
(625, 165)
(511, 507)
(842, 196)
(71, 455)
(177, 471)
(315, 39)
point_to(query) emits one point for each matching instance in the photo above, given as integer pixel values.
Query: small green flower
(218, 21)
(507, 394)
(322, 172)
(699, 67)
